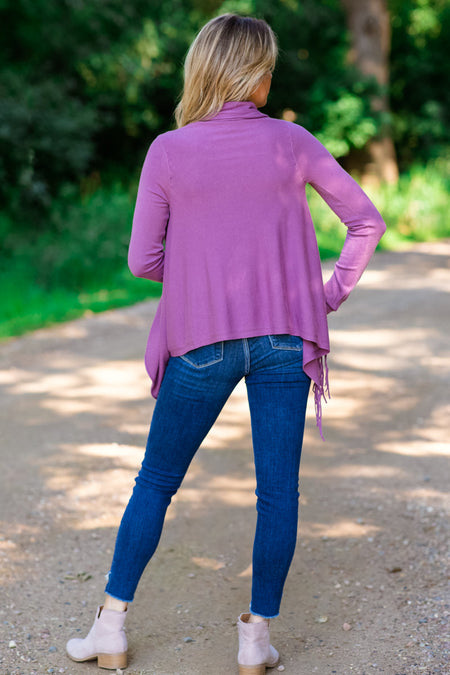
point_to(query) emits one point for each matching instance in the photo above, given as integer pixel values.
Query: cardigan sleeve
(151, 214)
(365, 226)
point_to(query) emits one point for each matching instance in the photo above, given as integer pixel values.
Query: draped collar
(237, 110)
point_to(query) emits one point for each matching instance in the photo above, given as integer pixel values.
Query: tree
(369, 25)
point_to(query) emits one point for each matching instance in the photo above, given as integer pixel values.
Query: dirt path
(74, 408)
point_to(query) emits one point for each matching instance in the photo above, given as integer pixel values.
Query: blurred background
(85, 85)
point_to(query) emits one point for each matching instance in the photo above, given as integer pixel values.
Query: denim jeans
(193, 392)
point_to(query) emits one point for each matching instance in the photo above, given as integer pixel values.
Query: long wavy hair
(227, 61)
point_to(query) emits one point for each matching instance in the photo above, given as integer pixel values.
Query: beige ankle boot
(106, 641)
(255, 651)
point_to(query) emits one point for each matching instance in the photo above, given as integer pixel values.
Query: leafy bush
(87, 85)
(78, 264)
(419, 91)
(415, 209)
(45, 134)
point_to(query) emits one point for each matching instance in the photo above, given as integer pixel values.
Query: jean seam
(247, 355)
(292, 348)
(203, 365)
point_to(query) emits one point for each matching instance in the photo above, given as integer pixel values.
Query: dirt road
(367, 589)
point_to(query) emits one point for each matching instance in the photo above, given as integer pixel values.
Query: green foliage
(26, 306)
(86, 84)
(415, 209)
(85, 243)
(83, 85)
(419, 92)
(138, 79)
(313, 81)
(78, 264)
(44, 134)
(348, 123)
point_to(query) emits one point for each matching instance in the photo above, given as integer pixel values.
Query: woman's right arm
(151, 214)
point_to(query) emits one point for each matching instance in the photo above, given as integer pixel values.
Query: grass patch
(415, 210)
(78, 264)
(27, 306)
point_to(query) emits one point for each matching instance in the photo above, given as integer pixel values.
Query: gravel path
(367, 589)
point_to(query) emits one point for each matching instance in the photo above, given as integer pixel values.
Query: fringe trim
(321, 390)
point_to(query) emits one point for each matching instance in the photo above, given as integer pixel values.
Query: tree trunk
(369, 25)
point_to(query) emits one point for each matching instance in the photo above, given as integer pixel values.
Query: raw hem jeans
(193, 392)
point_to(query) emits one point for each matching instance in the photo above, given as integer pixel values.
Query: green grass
(415, 209)
(26, 306)
(78, 264)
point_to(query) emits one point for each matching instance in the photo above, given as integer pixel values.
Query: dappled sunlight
(348, 396)
(128, 455)
(428, 439)
(135, 428)
(205, 490)
(233, 422)
(247, 572)
(383, 349)
(416, 448)
(208, 563)
(13, 553)
(354, 470)
(231, 493)
(433, 280)
(436, 425)
(72, 330)
(9, 529)
(430, 497)
(101, 382)
(12, 377)
(96, 484)
(347, 406)
(10, 552)
(7, 545)
(231, 483)
(97, 478)
(340, 528)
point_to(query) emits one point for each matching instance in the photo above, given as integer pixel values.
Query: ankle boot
(106, 641)
(255, 651)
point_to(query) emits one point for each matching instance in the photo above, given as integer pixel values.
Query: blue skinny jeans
(193, 392)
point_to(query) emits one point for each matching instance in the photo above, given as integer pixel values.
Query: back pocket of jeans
(204, 356)
(285, 341)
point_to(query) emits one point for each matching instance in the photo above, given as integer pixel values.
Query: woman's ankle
(254, 618)
(115, 604)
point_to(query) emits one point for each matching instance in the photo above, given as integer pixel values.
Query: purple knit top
(222, 220)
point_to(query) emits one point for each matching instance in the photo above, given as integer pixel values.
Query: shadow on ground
(75, 409)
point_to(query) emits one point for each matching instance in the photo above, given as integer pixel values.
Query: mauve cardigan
(221, 218)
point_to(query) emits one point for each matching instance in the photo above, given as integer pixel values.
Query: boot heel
(252, 670)
(112, 661)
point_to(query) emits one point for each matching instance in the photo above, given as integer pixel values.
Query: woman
(222, 220)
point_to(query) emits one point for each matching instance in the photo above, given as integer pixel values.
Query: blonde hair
(227, 61)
